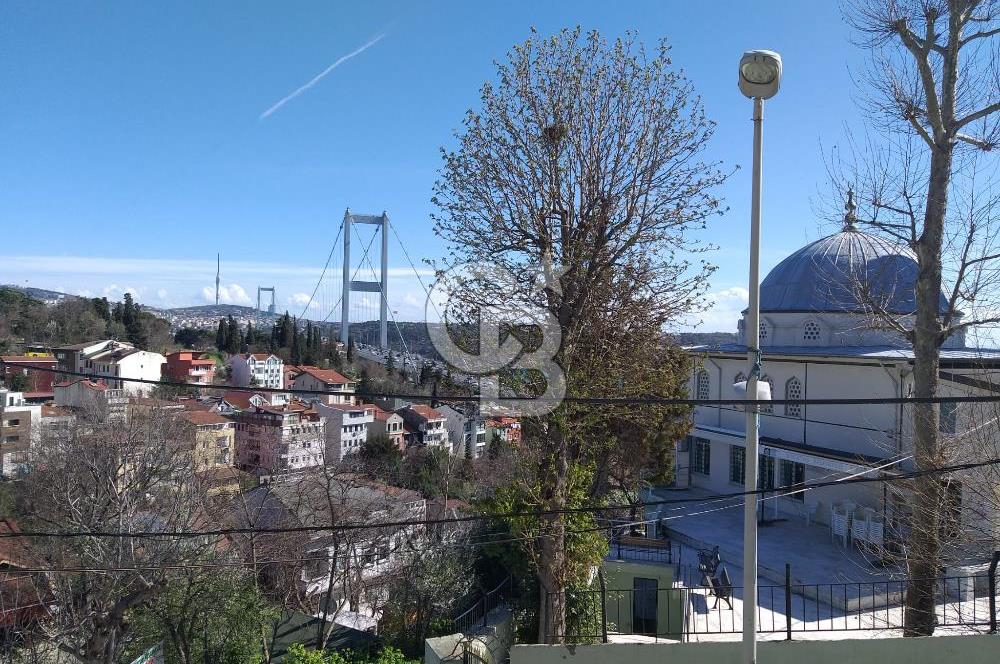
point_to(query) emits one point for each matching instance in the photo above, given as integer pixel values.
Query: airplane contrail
(316, 79)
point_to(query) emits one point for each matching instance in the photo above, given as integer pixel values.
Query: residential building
(212, 439)
(114, 361)
(346, 566)
(466, 430)
(271, 440)
(289, 372)
(189, 366)
(237, 400)
(346, 428)
(256, 370)
(38, 384)
(818, 342)
(336, 387)
(505, 426)
(19, 422)
(89, 395)
(386, 423)
(426, 427)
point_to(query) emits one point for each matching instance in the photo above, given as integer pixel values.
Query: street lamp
(760, 78)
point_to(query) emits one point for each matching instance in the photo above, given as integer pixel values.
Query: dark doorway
(644, 605)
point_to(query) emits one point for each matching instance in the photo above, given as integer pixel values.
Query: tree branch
(978, 115)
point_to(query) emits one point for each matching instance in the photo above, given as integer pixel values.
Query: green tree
(18, 382)
(189, 337)
(390, 363)
(222, 334)
(597, 181)
(206, 615)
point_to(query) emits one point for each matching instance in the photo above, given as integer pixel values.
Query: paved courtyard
(814, 557)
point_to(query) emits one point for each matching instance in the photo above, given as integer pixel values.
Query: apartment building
(212, 439)
(346, 428)
(189, 366)
(91, 396)
(19, 421)
(424, 426)
(257, 370)
(466, 430)
(271, 440)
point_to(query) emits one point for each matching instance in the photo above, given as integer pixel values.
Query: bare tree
(112, 475)
(583, 163)
(927, 180)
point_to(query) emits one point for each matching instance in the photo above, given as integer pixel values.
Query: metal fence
(964, 604)
(477, 615)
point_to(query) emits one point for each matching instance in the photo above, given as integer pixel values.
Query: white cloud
(162, 293)
(301, 299)
(724, 310)
(231, 294)
(115, 293)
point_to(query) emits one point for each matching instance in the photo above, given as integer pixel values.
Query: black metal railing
(665, 553)
(964, 604)
(477, 615)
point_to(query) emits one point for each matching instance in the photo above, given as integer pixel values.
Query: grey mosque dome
(840, 272)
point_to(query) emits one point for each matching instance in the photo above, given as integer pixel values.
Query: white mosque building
(818, 342)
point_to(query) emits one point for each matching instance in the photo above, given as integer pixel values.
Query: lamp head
(760, 74)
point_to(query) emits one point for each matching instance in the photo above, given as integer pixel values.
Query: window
(767, 409)
(737, 464)
(793, 390)
(793, 474)
(810, 331)
(948, 417)
(701, 452)
(763, 331)
(13, 422)
(703, 384)
(765, 472)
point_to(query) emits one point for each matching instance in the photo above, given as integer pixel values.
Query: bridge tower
(379, 287)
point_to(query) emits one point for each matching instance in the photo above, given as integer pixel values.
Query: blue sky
(134, 147)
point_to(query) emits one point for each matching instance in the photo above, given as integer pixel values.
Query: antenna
(218, 271)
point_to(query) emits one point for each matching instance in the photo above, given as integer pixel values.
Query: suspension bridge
(352, 289)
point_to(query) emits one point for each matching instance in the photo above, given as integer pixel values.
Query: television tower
(218, 271)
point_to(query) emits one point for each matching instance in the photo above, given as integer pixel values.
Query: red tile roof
(426, 412)
(97, 386)
(327, 375)
(28, 358)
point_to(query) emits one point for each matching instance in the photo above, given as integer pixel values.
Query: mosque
(818, 341)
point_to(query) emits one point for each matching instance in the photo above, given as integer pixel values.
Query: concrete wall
(979, 649)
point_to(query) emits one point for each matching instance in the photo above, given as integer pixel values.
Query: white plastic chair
(859, 525)
(840, 524)
(876, 533)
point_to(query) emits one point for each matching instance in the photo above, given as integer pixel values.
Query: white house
(257, 369)
(114, 361)
(346, 428)
(817, 342)
(336, 388)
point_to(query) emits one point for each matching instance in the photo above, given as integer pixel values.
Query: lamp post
(760, 78)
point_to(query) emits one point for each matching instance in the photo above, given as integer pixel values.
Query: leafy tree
(350, 349)
(390, 363)
(189, 337)
(297, 350)
(597, 182)
(18, 382)
(205, 615)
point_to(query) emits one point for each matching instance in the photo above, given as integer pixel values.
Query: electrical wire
(342, 527)
(649, 400)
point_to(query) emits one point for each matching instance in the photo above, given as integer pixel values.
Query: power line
(647, 400)
(331, 528)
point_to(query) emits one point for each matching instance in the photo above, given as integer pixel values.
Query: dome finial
(850, 217)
